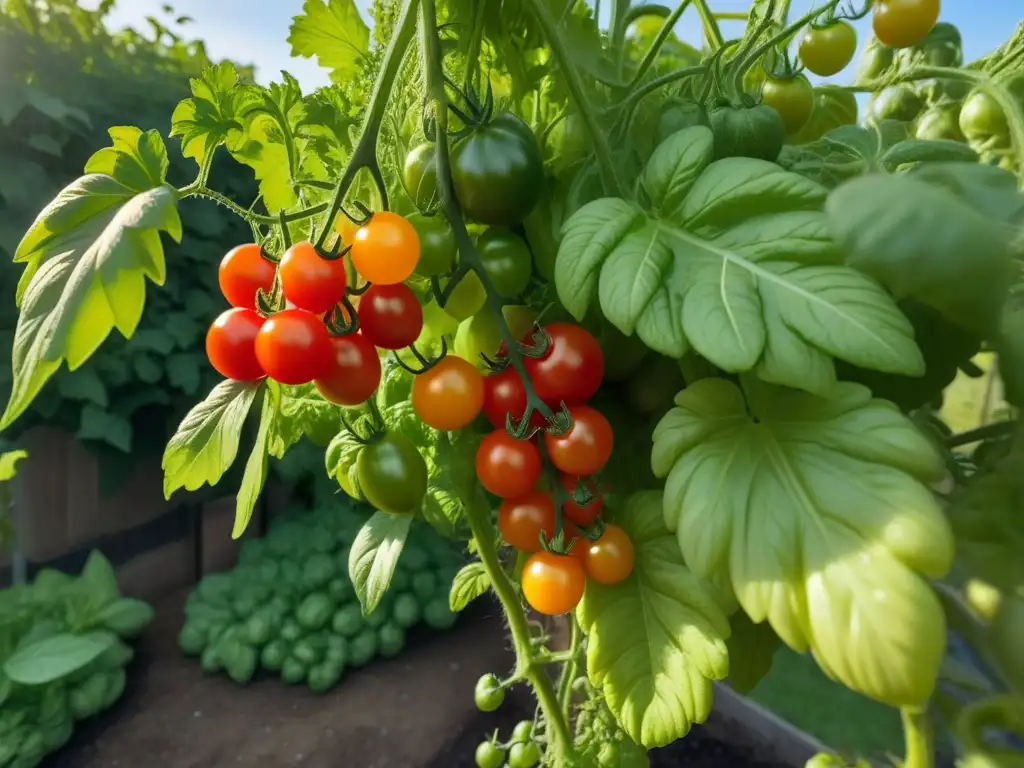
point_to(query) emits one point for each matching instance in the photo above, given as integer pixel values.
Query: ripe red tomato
(242, 272)
(354, 372)
(611, 558)
(505, 394)
(505, 466)
(521, 519)
(390, 316)
(293, 347)
(231, 344)
(309, 281)
(386, 249)
(449, 395)
(586, 447)
(553, 584)
(572, 368)
(581, 515)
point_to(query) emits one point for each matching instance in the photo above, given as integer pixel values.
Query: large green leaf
(374, 555)
(212, 114)
(56, 657)
(334, 32)
(206, 442)
(255, 474)
(87, 257)
(739, 264)
(656, 641)
(816, 510)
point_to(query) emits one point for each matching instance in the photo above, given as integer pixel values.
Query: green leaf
(927, 151)
(656, 641)
(374, 555)
(745, 271)
(184, 373)
(334, 32)
(751, 651)
(469, 583)
(206, 442)
(674, 167)
(99, 580)
(305, 413)
(84, 385)
(1010, 346)
(56, 657)
(211, 116)
(922, 241)
(256, 467)
(155, 340)
(96, 424)
(6, 686)
(452, 482)
(340, 460)
(9, 464)
(87, 257)
(126, 616)
(845, 523)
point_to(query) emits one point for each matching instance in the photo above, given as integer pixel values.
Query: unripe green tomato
(419, 176)
(523, 755)
(939, 122)
(467, 298)
(437, 244)
(522, 732)
(757, 132)
(488, 693)
(507, 260)
(981, 119)
(898, 102)
(488, 755)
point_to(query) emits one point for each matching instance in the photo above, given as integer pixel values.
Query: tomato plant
(293, 347)
(244, 271)
(715, 301)
(354, 372)
(386, 249)
(449, 395)
(390, 316)
(231, 344)
(310, 281)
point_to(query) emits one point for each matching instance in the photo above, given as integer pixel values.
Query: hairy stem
(574, 82)
(917, 733)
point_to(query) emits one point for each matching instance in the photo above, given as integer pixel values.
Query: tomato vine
(674, 314)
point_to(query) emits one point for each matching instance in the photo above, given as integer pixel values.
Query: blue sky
(256, 31)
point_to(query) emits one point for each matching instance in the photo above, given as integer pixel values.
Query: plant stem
(569, 670)
(559, 735)
(659, 41)
(998, 429)
(364, 154)
(712, 34)
(598, 136)
(917, 733)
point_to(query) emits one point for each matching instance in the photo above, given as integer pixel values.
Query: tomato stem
(712, 32)
(917, 733)
(569, 670)
(659, 41)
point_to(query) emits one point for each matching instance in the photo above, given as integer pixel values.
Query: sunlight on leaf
(333, 32)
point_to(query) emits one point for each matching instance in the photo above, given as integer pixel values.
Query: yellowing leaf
(87, 257)
(656, 641)
(9, 464)
(817, 512)
(206, 442)
(739, 264)
(334, 32)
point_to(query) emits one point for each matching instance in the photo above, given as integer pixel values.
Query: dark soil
(415, 711)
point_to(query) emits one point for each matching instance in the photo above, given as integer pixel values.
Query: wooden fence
(156, 546)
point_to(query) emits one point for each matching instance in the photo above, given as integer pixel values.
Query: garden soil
(415, 711)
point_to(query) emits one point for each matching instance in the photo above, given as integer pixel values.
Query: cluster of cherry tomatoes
(294, 346)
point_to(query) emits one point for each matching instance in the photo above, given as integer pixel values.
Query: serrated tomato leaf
(206, 442)
(88, 255)
(333, 32)
(741, 266)
(374, 555)
(212, 114)
(255, 474)
(656, 641)
(469, 583)
(818, 513)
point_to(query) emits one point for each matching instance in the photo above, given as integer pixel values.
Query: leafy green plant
(290, 606)
(719, 436)
(63, 654)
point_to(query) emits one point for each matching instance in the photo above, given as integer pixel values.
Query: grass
(797, 690)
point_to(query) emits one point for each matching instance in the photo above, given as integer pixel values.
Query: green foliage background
(63, 82)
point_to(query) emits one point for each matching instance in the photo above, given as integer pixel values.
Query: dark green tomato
(944, 346)
(507, 260)
(875, 60)
(941, 91)
(392, 474)
(488, 693)
(833, 107)
(437, 244)
(939, 122)
(488, 755)
(981, 118)
(523, 755)
(419, 176)
(941, 47)
(747, 132)
(498, 171)
(898, 102)
(678, 114)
